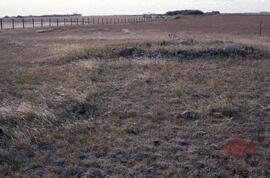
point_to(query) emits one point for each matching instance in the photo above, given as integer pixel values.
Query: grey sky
(106, 7)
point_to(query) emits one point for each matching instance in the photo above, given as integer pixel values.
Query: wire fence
(21, 23)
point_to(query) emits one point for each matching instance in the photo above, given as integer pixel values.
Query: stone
(188, 115)
(156, 142)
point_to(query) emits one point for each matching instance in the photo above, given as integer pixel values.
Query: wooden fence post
(93, 20)
(88, 20)
(13, 24)
(1, 24)
(260, 28)
(57, 22)
(41, 23)
(50, 22)
(33, 23)
(22, 23)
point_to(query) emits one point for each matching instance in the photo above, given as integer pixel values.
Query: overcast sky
(106, 7)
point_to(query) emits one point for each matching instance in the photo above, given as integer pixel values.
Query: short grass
(115, 111)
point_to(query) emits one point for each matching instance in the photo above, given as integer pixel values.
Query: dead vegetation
(137, 109)
(169, 50)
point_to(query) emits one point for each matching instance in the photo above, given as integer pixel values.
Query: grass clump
(169, 50)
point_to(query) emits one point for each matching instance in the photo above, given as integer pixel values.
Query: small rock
(1, 132)
(132, 130)
(214, 147)
(156, 142)
(201, 133)
(189, 115)
(200, 165)
(267, 109)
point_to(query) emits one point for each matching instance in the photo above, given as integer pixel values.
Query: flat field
(186, 97)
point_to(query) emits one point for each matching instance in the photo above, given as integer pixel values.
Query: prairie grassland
(110, 102)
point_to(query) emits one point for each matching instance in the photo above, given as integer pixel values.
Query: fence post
(50, 22)
(13, 24)
(1, 24)
(41, 23)
(23, 23)
(64, 21)
(57, 22)
(77, 21)
(33, 23)
(260, 28)
(98, 20)
(93, 20)
(88, 20)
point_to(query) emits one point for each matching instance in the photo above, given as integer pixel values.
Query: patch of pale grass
(26, 108)
(90, 64)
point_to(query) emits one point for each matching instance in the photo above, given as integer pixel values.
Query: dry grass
(108, 111)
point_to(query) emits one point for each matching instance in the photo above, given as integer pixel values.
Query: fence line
(56, 22)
